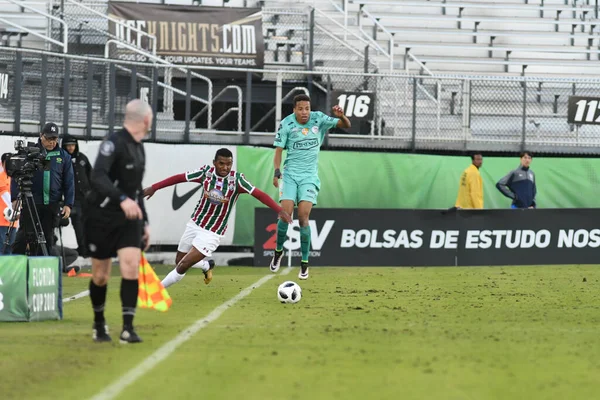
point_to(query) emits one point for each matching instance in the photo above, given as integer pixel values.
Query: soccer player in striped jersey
(208, 223)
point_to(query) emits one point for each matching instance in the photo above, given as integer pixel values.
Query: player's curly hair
(224, 152)
(477, 153)
(301, 97)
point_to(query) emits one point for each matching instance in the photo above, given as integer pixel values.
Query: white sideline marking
(168, 348)
(77, 296)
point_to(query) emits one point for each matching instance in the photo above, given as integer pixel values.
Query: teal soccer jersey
(300, 170)
(303, 143)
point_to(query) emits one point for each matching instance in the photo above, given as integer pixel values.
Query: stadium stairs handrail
(64, 44)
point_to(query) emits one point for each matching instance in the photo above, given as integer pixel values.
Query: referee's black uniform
(116, 176)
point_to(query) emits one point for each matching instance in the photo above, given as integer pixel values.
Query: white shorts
(204, 241)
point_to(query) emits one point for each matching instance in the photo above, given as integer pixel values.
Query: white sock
(203, 265)
(172, 278)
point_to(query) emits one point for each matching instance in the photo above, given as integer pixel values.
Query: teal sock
(305, 242)
(282, 228)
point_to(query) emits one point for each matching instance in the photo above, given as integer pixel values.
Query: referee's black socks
(129, 296)
(98, 297)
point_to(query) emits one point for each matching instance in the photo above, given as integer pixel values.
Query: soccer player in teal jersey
(301, 133)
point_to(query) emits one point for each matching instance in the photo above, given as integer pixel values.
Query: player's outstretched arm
(170, 181)
(269, 202)
(344, 122)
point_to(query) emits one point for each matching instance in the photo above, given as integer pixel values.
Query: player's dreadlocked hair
(226, 153)
(301, 97)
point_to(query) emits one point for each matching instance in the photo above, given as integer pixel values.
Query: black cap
(68, 139)
(50, 130)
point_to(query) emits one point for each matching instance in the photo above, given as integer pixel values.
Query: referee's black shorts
(108, 231)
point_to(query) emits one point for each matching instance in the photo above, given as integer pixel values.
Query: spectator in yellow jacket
(470, 189)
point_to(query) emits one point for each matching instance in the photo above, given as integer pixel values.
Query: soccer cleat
(208, 274)
(129, 336)
(100, 332)
(276, 261)
(303, 274)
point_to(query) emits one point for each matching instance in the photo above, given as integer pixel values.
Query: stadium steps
(524, 32)
(15, 37)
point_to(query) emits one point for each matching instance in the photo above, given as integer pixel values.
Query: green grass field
(358, 333)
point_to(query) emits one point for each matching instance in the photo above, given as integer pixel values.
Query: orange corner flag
(151, 294)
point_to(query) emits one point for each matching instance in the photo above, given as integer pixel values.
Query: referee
(117, 223)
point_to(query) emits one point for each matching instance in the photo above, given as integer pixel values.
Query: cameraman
(81, 170)
(6, 207)
(49, 187)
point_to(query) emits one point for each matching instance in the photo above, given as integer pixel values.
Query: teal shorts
(306, 189)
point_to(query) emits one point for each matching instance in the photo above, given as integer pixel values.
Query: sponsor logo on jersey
(215, 196)
(305, 131)
(315, 129)
(306, 144)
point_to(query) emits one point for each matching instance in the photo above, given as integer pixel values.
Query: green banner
(44, 289)
(13, 288)
(391, 180)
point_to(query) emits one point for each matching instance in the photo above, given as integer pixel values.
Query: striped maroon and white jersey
(218, 198)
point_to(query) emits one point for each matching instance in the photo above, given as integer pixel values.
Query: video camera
(27, 159)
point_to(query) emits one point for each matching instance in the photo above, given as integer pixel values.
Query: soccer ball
(289, 292)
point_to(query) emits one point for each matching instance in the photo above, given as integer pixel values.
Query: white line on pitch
(77, 296)
(168, 348)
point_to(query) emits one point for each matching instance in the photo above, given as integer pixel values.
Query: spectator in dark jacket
(519, 184)
(81, 172)
(51, 186)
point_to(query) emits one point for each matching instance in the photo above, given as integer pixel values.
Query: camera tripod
(25, 203)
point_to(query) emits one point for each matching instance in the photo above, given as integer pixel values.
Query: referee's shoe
(129, 336)
(100, 332)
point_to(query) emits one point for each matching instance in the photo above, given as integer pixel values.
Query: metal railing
(382, 22)
(276, 109)
(443, 5)
(368, 44)
(377, 24)
(167, 84)
(65, 34)
(411, 112)
(237, 109)
(479, 19)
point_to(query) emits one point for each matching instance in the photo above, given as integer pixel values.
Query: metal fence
(87, 96)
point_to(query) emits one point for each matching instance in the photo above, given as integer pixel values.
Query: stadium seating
(548, 38)
(441, 40)
(13, 17)
(505, 37)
